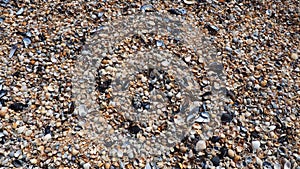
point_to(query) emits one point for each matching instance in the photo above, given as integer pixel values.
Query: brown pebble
(106, 165)
(263, 83)
(236, 158)
(3, 112)
(259, 66)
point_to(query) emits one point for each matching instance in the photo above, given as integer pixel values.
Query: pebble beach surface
(257, 41)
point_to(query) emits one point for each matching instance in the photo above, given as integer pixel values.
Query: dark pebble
(215, 139)
(213, 30)
(2, 102)
(151, 87)
(47, 130)
(3, 93)
(17, 106)
(226, 117)
(216, 161)
(282, 139)
(17, 74)
(146, 105)
(17, 163)
(267, 165)
(223, 152)
(136, 104)
(134, 129)
(2, 140)
(103, 85)
(255, 134)
(179, 11)
(71, 107)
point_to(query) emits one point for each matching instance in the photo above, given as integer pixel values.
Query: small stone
(147, 8)
(249, 41)
(17, 153)
(226, 117)
(17, 106)
(215, 139)
(188, 58)
(259, 66)
(130, 155)
(267, 165)
(258, 161)
(28, 133)
(277, 166)
(165, 63)
(213, 30)
(239, 149)
(189, 2)
(86, 165)
(231, 153)
(107, 166)
(120, 154)
(3, 111)
(287, 165)
(20, 11)
(159, 43)
(201, 145)
(82, 110)
(21, 129)
(47, 137)
(216, 161)
(236, 158)
(134, 129)
(263, 83)
(294, 56)
(255, 145)
(74, 151)
(179, 11)
(17, 163)
(33, 161)
(147, 166)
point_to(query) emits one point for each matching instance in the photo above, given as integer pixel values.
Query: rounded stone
(231, 153)
(201, 145)
(86, 165)
(216, 161)
(255, 145)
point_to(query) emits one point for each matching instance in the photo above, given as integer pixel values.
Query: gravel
(245, 115)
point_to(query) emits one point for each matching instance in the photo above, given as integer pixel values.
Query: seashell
(2, 93)
(12, 51)
(20, 11)
(26, 42)
(203, 118)
(147, 8)
(189, 2)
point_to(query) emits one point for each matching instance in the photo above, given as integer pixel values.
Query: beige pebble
(33, 161)
(294, 56)
(28, 132)
(201, 145)
(231, 153)
(74, 151)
